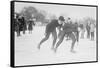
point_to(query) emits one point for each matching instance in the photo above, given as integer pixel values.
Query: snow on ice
(27, 53)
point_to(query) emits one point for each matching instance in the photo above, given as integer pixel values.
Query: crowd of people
(89, 28)
(66, 29)
(21, 24)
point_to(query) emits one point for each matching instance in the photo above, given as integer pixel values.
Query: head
(69, 20)
(61, 20)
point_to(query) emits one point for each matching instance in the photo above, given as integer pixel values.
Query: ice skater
(51, 29)
(72, 30)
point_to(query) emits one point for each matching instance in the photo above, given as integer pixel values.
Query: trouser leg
(72, 36)
(92, 35)
(24, 30)
(54, 34)
(77, 35)
(88, 34)
(43, 40)
(60, 40)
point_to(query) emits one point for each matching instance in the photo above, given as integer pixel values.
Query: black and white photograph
(51, 33)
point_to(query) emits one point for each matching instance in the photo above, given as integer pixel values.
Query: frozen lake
(27, 53)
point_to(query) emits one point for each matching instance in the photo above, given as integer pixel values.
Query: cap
(61, 18)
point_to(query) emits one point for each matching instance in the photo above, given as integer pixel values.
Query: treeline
(31, 13)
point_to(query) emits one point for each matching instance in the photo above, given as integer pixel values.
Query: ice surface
(27, 53)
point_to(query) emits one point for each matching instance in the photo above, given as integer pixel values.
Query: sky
(74, 12)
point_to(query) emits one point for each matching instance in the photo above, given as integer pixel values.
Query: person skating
(51, 29)
(72, 30)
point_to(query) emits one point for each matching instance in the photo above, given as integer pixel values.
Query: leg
(29, 31)
(18, 31)
(92, 35)
(54, 34)
(87, 34)
(72, 36)
(43, 40)
(60, 40)
(77, 35)
(24, 30)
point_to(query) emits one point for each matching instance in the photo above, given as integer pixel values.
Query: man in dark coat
(51, 29)
(17, 25)
(23, 24)
(72, 31)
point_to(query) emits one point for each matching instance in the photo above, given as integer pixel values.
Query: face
(60, 22)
